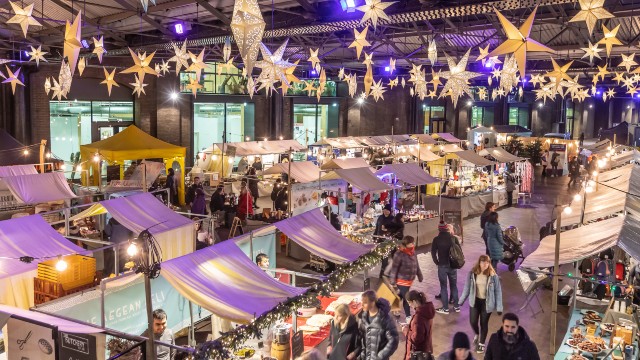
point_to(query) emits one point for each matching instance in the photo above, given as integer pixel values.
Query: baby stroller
(512, 247)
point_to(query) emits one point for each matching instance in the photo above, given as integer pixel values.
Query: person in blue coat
(495, 242)
(485, 296)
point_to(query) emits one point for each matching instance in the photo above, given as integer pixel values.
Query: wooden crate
(44, 290)
(81, 271)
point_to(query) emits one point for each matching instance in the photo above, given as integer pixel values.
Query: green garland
(232, 340)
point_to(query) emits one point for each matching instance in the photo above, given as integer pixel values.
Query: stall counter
(469, 205)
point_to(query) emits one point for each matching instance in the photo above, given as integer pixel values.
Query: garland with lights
(232, 340)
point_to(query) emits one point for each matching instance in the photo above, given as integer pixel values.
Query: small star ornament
(138, 86)
(23, 17)
(374, 10)
(12, 78)
(109, 80)
(37, 55)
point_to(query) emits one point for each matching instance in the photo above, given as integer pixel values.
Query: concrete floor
(528, 221)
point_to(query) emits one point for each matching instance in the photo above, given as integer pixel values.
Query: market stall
(133, 144)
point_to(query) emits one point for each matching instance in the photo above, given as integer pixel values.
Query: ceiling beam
(145, 17)
(215, 12)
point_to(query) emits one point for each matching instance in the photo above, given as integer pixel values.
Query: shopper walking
(488, 209)
(511, 341)
(460, 349)
(495, 242)
(440, 249)
(377, 329)
(404, 270)
(344, 338)
(418, 330)
(485, 296)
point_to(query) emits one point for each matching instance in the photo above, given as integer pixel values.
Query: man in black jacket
(511, 342)
(378, 330)
(440, 249)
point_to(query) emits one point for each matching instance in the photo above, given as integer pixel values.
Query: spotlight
(61, 265)
(567, 210)
(178, 28)
(360, 101)
(132, 250)
(174, 96)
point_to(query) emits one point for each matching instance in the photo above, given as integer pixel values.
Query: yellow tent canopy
(135, 144)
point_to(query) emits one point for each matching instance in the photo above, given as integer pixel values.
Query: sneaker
(443, 310)
(480, 349)
(456, 309)
(475, 340)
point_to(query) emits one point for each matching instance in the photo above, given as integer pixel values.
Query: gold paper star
(141, 66)
(619, 77)
(393, 83)
(590, 12)
(197, 63)
(392, 65)
(138, 86)
(377, 90)
(82, 63)
(602, 71)
(164, 67)
(360, 41)
(627, 61)
(432, 52)
(518, 41)
(458, 78)
(37, 54)
(309, 87)
(109, 79)
(13, 79)
(23, 17)
(368, 59)
(47, 85)
(609, 38)
(98, 48)
(313, 58)
(247, 26)
(181, 57)
(591, 51)
(72, 44)
(374, 10)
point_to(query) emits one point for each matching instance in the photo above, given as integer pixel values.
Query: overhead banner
(28, 341)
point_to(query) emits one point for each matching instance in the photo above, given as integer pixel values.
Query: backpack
(456, 256)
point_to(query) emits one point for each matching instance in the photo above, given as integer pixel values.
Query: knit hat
(461, 341)
(442, 226)
(388, 207)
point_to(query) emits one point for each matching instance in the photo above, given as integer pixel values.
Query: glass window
(75, 123)
(312, 122)
(212, 120)
(519, 116)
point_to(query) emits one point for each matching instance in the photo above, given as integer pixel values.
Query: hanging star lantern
(559, 73)
(432, 52)
(537, 79)
(602, 71)
(37, 55)
(627, 61)
(313, 58)
(141, 66)
(272, 64)
(12, 78)
(226, 49)
(109, 79)
(458, 78)
(610, 38)
(23, 17)
(247, 26)
(518, 41)
(610, 94)
(392, 65)
(591, 51)
(164, 68)
(98, 48)
(393, 83)
(197, 64)
(82, 64)
(72, 44)
(145, 4)
(47, 85)
(482, 93)
(57, 90)
(590, 12)
(138, 86)
(360, 41)
(374, 10)
(180, 57)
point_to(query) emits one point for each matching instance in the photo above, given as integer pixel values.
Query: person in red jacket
(418, 331)
(245, 204)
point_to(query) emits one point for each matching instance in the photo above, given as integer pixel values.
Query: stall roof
(448, 137)
(410, 173)
(312, 231)
(348, 163)
(502, 155)
(301, 171)
(425, 138)
(472, 157)
(224, 280)
(61, 324)
(362, 179)
(15, 170)
(38, 188)
(30, 236)
(138, 213)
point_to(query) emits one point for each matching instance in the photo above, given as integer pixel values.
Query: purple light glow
(178, 28)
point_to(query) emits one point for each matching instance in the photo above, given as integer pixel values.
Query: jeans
(444, 273)
(405, 304)
(479, 312)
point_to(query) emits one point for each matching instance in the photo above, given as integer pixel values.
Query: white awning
(502, 155)
(410, 173)
(301, 171)
(472, 157)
